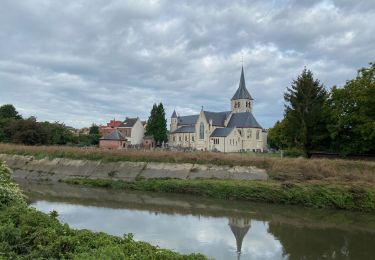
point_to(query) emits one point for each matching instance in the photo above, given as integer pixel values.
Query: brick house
(148, 142)
(114, 140)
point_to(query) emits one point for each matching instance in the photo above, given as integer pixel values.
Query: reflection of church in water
(239, 227)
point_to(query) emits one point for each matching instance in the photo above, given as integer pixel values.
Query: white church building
(231, 131)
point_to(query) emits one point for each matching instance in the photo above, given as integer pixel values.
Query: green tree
(277, 136)
(306, 113)
(26, 132)
(160, 133)
(352, 126)
(150, 128)
(9, 111)
(157, 124)
(57, 133)
(94, 129)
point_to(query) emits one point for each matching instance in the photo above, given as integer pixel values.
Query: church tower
(242, 101)
(173, 121)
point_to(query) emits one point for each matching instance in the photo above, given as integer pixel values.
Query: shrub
(9, 191)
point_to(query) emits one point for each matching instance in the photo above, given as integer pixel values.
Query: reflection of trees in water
(330, 243)
(239, 227)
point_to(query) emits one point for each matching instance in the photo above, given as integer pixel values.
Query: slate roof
(221, 132)
(185, 129)
(243, 120)
(242, 92)
(129, 122)
(174, 115)
(217, 118)
(115, 135)
(187, 120)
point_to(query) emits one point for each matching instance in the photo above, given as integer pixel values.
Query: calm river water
(218, 229)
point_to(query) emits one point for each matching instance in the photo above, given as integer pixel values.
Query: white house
(132, 129)
(230, 131)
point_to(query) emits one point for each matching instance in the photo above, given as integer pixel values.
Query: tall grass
(287, 169)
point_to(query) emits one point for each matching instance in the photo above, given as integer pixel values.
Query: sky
(80, 62)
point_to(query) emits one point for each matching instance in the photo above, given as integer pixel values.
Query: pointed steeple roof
(174, 115)
(242, 92)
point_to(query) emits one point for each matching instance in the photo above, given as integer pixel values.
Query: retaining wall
(28, 167)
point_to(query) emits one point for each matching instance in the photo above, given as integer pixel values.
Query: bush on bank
(27, 233)
(348, 197)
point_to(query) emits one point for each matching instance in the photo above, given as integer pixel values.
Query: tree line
(15, 129)
(341, 120)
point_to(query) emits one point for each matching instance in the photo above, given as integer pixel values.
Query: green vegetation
(157, 124)
(345, 196)
(15, 129)
(341, 121)
(27, 233)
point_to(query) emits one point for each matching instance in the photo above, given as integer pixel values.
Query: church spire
(174, 115)
(242, 92)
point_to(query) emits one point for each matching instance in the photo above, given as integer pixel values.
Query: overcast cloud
(85, 61)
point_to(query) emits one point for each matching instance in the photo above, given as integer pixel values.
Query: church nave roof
(243, 120)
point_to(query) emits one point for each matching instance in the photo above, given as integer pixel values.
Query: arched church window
(201, 131)
(239, 104)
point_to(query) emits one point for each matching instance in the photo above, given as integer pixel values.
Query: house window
(179, 138)
(201, 131)
(257, 135)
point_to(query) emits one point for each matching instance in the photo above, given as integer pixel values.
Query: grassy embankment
(321, 183)
(27, 233)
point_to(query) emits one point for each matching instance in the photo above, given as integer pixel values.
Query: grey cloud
(88, 61)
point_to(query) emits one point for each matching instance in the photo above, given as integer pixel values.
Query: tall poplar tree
(150, 128)
(160, 133)
(157, 124)
(306, 113)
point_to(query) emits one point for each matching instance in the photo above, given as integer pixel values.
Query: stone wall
(27, 167)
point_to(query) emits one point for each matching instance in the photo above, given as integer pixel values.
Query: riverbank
(353, 197)
(287, 169)
(61, 169)
(27, 233)
(317, 183)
